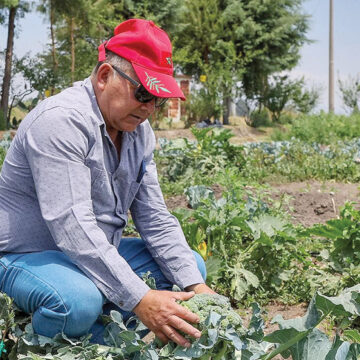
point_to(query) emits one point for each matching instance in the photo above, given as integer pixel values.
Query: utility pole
(331, 57)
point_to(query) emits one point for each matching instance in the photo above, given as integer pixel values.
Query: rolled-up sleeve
(162, 232)
(57, 144)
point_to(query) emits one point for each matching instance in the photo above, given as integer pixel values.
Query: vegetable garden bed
(261, 245)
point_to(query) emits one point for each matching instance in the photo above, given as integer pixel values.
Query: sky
(33, 36)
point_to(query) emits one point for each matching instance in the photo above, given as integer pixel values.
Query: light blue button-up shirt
(62, 187)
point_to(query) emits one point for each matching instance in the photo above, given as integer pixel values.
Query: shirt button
(121, 303)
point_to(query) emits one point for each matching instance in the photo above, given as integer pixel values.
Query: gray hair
(113, 59)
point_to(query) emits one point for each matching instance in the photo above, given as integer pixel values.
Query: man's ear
(103, 75)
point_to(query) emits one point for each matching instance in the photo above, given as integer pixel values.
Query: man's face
(117, 102)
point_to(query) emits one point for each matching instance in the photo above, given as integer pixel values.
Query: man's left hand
(200, 289)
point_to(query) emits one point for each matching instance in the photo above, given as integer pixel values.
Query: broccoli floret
(203, 304)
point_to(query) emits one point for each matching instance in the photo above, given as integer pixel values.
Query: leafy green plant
(251, 250)
(200, 105)
(278, 92)
(341, 247)
(260, 118)
(2, 156)
(210, 154)
(223, 335)
(296, 161)
(350, 91)
(321, 128)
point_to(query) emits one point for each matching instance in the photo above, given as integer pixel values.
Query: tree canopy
(236, 44)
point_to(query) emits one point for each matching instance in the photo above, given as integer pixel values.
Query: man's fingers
(174, 336)
(163, 338)
(186, 314)
(183, 326)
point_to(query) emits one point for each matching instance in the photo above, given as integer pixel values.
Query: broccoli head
(203, 304)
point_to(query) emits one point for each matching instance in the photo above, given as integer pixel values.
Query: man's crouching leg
(49, 286)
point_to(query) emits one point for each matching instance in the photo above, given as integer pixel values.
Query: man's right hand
(160, 312)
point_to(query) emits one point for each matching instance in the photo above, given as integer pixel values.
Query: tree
(206, 44)
(305, 99)
(278, 92)
(279, 29)
(15, 8)
(239, 41)
(52, 9)
(350, 91)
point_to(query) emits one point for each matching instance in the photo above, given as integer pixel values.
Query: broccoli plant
(220, 325)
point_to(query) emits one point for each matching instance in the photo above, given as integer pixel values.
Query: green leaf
(256, 326)
(352, 335)
(348, 302)
(267, 224)
(213, 265)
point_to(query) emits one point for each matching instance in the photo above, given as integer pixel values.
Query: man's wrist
(194, 287)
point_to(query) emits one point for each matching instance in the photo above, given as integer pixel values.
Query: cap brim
(158, 84)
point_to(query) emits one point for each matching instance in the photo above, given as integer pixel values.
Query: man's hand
(200, 289)
(160, 312)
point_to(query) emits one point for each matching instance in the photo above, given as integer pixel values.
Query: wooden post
(331, 57)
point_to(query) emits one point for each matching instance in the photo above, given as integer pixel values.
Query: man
(79, 161)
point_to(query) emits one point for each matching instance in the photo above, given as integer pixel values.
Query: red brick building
(176, 108)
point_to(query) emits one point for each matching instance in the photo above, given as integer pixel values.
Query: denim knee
(200, 264)
(74, 318)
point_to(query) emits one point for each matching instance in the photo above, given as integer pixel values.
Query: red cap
(148, 48)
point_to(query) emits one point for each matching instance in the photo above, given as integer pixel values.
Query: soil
(314, 202)
(308, 203)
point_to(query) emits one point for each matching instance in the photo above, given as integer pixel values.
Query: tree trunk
(227, 106)
(53, 48)
(7, 72)
(72, 30)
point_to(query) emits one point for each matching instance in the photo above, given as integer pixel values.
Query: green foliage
(223, 335)
(236, 41)
(298, 161)
(260, 118)
(38, 73)
(164, 13)
(210, 154)
(322, 128)
(340, 248)
(303, 341)
(2, 156)
(275, 32)
(202, 104)
(3, 121)
(243, 242)
(350, 91)
(279, 92)
(183, 163)
(4, 145)
(305, 100)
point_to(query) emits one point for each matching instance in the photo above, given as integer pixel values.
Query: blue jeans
(61, 298)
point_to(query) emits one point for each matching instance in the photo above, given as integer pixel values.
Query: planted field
(278, 225)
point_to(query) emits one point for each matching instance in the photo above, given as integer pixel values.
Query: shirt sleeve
(162, 232)
(56, 145)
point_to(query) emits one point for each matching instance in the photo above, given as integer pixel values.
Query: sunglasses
(141, 94)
